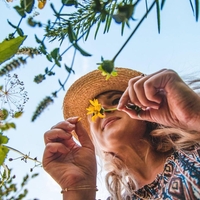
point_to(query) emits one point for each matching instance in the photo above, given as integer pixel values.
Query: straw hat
(88, 87)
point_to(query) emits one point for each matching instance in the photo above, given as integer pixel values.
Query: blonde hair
(119, 181)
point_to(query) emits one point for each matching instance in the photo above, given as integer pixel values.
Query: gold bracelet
(84, 187)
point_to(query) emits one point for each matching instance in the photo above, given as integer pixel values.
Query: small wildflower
(41, 4)
(107, 68)
(97, 110)
(13, 95)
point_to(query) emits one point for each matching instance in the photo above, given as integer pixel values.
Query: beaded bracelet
(84, 187)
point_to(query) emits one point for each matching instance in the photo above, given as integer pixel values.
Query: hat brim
(88, 87)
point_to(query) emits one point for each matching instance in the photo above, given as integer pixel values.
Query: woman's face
(117, 128)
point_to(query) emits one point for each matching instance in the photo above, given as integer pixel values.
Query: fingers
(123, 100)
(145, 91)
(53, 151)
(83, 136)
(62, 132)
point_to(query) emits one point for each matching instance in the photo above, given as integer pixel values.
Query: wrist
(79, 192)
(79, 195)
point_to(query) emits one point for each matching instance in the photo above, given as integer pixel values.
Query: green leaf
(69, 2)
(110, 16)
(42, 49)
(46, 70)
(38, 40)
(57, 63)
(8, 48)
(107, 23)
(34, 175)
(55, 53)
(18, 114)
(98, 26)
(3, 153)
(29, 5)
(11, 24)
(12, 125)
(49, 57)
(20, 11)
(20, 32)
(88, 32)
(158, 14)
(6, 173)
(69, 70)
(197, 9)
(3, 139)
(162, 4)
(84, 53)
(5, 114)
(62, 85)
(54, 10)
(71, 34)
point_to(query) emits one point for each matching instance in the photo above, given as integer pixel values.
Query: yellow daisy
(95, 109)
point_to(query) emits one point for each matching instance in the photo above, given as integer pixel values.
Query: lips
(108, 120)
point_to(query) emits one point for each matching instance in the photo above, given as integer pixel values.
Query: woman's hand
(69, 164)
(164, 99)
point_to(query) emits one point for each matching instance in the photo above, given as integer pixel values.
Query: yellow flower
(41, 4)
(95, 109)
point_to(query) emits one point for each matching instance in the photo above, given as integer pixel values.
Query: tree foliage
(73, 26)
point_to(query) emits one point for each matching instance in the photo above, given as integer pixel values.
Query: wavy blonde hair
(119, 182)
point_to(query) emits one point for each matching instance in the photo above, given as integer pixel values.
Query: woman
(150, 153)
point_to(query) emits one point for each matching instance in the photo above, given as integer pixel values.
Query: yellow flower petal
(95, 109)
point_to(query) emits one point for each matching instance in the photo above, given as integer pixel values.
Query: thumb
(83, 136)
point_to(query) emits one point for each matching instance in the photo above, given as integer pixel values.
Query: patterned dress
(180, 179)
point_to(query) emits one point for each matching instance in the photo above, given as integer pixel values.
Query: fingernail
(73, 118)
(76, 117)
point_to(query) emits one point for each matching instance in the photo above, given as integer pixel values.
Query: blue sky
(176, 47)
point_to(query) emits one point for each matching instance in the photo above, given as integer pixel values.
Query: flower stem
(109, 109)
(23, 155)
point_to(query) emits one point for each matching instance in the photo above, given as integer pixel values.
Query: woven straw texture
(88, 87)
